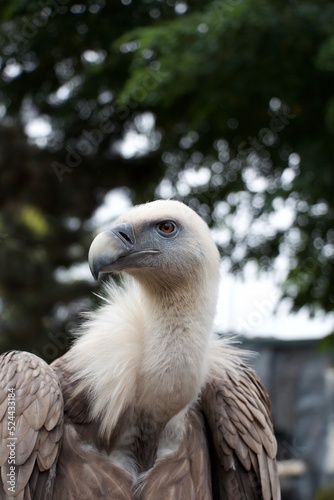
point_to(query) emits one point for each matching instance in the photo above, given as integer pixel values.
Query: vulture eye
(167, 228)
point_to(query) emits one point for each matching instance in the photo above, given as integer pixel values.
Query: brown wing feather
(184, 474)
(85, 473)
(84, 469)
(75, 406)
(243, 445)
(44, 470)
(30, 437)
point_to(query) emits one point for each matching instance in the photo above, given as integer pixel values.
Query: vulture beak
(115, 249)
(108, 247)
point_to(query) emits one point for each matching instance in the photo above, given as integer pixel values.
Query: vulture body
(148, 403)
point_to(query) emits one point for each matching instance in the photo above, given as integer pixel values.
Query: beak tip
(96, 275)
(93, 268)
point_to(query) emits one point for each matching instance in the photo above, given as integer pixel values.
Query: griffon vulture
(148, 403)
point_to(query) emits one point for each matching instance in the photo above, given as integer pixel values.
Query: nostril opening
(125, 233)
(125, 236)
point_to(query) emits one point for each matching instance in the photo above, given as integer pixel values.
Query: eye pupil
(167, 227)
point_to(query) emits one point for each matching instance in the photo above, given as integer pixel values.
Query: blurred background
(226, 105)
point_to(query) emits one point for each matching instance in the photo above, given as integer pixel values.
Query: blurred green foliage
(235, 102)
(326, 493)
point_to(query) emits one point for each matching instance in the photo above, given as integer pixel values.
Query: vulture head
(163, 244)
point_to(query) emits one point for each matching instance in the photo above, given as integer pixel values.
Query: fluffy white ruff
(107, 357)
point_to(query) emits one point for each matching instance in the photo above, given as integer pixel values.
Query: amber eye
(167, 227)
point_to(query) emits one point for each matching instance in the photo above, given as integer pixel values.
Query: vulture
(148, 403)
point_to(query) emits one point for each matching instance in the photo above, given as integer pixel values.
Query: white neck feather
(143, 352)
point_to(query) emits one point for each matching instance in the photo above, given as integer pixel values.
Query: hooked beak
(114, 250)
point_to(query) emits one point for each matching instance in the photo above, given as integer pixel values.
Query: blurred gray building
(299, 377)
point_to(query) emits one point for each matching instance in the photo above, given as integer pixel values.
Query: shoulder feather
(31, 428)
(237, 410)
